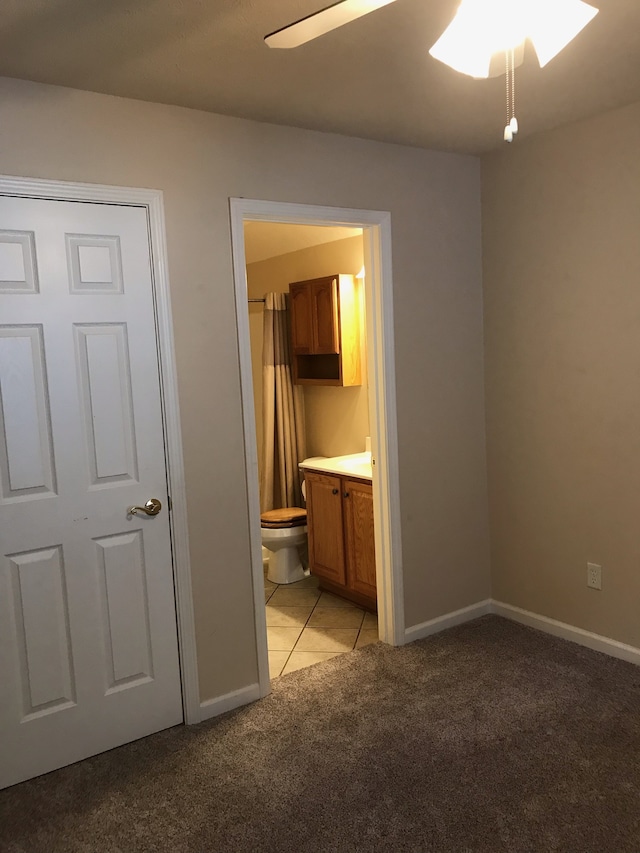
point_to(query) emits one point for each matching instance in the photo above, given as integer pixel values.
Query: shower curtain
(282, 412)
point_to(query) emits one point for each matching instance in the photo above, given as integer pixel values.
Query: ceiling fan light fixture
(554, 25)
(482, 28)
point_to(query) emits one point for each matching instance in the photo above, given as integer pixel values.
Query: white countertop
(353, 465)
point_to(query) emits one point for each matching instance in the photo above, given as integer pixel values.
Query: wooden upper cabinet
(326, 330)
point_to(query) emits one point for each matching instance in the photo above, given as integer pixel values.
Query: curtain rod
(255, 300)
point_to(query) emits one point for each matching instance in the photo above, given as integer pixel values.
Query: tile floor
(306, 626)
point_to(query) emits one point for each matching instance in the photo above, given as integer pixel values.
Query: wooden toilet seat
(290, 516)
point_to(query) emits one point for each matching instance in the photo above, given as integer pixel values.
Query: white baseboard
(449, 620)
(221, 704)
(568, 632)
(525, 617)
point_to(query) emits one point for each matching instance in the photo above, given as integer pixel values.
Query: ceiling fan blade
(323, 22)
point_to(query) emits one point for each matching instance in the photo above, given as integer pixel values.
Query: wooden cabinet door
(359, 537)
(325, 316)
(326, 541)
(302, 337)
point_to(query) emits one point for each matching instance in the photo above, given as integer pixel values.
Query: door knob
(152, 507)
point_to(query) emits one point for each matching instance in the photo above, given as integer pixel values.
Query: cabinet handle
(334, 491)
(346, 494)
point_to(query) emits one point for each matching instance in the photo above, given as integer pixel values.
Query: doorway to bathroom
(275, 245)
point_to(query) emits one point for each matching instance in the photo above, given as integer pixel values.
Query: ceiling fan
(482, 34)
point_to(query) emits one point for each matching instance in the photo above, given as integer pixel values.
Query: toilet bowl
(284, 531)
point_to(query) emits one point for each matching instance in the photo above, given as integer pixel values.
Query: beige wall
(337, 419)
(200, 160)
(561, 238)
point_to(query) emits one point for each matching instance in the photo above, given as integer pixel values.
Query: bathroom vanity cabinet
(341, 536)
(325, 331)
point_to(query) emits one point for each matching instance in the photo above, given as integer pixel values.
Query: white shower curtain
(282, 412)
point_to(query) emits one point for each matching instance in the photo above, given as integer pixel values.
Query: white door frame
(376, 227)
(152, 201)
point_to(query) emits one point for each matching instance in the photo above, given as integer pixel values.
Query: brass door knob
(152, 507)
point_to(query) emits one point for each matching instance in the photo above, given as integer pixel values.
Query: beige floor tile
(336, 617)
(277, 661)
(370, 620)
(294, 597)
(282, 639)
(327, 640)
(328, 600)
(268, 593)
(366, 637)
(300, 660)
(306, 583)
(279, 616)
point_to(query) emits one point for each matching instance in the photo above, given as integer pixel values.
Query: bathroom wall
(337, 419)
(200, 160)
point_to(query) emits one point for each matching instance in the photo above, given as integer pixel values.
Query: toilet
(283, 532)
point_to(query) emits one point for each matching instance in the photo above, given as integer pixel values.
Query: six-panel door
(88, 640)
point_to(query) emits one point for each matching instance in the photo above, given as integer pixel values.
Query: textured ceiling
(372, 78)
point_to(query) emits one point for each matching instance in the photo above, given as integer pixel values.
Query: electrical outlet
(594, 576)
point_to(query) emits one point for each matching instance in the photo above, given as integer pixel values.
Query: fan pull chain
(507, 71)
(511, 127)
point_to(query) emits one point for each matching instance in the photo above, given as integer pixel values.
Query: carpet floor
(486, 738)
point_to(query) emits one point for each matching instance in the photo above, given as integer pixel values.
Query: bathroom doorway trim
(376, 226)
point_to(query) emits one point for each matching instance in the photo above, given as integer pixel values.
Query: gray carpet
(489, 737)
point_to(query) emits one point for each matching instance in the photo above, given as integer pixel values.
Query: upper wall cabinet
(326, 330)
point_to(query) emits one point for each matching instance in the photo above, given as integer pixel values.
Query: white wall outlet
(594, 576)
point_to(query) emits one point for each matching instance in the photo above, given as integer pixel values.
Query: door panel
(105, 394)
(325, 317)
(125, 618)
(95, 264)
(326, 545)
(17, 262)
(301, 318)
(88, 639)
(26, 455)
(41, 616)
(360, 540)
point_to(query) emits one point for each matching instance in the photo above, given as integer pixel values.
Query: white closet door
(88, 639)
